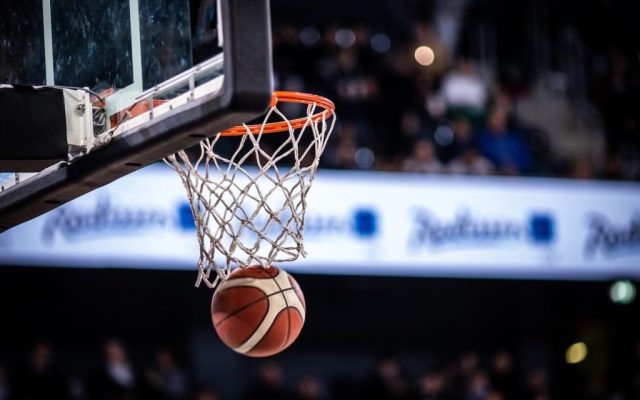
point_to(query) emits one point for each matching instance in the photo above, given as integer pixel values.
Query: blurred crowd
(409, 103)
(117, 377)
(463, 379)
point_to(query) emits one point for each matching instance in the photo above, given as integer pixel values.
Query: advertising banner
(365, 223)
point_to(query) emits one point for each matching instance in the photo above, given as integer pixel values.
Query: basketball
(258, 311)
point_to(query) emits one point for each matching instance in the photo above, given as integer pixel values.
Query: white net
(248, 193)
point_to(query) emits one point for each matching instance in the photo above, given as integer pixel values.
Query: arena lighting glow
(364, 157)
(576, 353)
(345, 38)
(424, 55)
(622, 292)
(443, 135)
(309, 36)
(380, 42)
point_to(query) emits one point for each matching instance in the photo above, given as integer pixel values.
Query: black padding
(33, 129)
(246, 94)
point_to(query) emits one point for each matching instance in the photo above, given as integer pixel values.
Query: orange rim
(281, 126)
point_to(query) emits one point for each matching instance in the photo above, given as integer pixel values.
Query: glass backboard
(124, 45)
(162, 75)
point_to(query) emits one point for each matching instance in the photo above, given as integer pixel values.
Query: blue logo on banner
(185, 217)
(541, 228)
(365, 223)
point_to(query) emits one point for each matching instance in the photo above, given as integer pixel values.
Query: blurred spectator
(478, 387)
(612, 167)
(351, 84)
(40, 378)
(423, 158)
(468, 365)
(5, 389)
(453, 140)
(431, 386)
(581, 169)
(166, 379)
(412, 129)
(504, 147)
(537, 387)
(115, 379)
(206, 394)
(471, 161)
(495, 395)
(503, 378)
(310, 388)
(387, 382)
(463, 88)
(345, 149)
(436, 106)
(270, 384)
(346, 153)
(618, 97)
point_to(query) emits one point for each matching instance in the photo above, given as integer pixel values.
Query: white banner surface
(365, 223)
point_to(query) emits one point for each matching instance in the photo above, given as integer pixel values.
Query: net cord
(227, 199)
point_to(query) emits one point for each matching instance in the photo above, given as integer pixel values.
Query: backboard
(158, 75)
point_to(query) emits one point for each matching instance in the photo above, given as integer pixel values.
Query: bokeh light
(622, 292)
(345, 38)
(364, 158)
(443, 135)
(309, 36)
(424, 55)
(576, 353)
(380, 42)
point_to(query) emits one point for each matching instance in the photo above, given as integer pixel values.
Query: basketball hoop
(247, 188)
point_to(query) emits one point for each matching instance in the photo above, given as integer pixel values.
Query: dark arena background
(473, 234)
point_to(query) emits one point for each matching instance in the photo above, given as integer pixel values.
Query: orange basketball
(258, 311)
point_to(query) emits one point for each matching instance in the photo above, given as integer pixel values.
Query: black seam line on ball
(266, 296)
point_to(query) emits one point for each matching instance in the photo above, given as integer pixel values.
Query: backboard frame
(246, 94)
